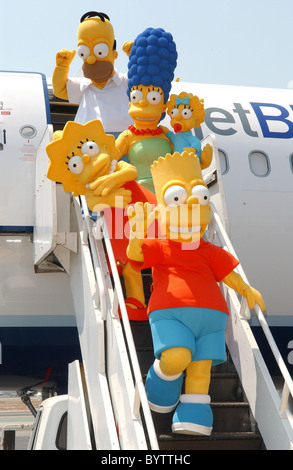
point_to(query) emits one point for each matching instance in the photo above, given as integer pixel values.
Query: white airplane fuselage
(254, 134)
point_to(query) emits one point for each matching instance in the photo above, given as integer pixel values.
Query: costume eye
(174, 112)
(202, 193)
(75, 165)
(175, 195)
(101, 50)
(83, 51)
(90, 148)
(154, 97)
(136, 96)
(186, 113)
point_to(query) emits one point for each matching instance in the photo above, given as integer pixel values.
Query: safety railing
(217, 229)
(110, 300)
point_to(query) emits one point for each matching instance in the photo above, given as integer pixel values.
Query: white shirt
(108, 104)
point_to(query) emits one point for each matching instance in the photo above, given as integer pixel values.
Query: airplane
(253, 128)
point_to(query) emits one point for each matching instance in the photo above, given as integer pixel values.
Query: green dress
(143, 153)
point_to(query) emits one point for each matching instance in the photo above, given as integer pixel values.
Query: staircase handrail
(140, 397)
(288, 382)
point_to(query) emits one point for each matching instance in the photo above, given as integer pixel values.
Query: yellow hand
(253, 297)
(140, 218)
(103, 185)
(119, 198)
(60, 73)
(64, 57)
(206, 156)
(127, 46)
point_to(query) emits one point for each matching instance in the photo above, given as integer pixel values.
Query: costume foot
(162, 393)
(193, 415)
(135, 310)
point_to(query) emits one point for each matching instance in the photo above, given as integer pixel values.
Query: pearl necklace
(145, 131)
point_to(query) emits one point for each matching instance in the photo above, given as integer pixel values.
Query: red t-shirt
(186, 278)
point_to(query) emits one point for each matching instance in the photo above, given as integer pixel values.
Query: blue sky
(229, 42)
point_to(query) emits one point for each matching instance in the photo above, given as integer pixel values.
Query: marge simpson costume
(151, 66)
(187, 312)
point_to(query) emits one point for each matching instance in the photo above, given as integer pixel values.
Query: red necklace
(145, 131)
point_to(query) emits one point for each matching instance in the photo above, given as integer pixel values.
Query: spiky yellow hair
(68, 143)
(171, 167)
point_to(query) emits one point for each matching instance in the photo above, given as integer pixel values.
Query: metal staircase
(116, 354)
(234, 425)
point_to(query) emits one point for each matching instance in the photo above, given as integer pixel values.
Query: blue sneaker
(163, 395)
(192, 417)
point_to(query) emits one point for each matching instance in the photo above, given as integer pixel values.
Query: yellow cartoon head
(80, 155)
(146, 106)
(186, 111)
(96, 46)
(182, 195)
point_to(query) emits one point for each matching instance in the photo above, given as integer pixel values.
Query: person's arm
(104, 185)
(141, 216)
(122, 144)
(61, 72)
(236, 282)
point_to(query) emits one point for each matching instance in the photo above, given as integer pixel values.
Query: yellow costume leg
(194, 415)
(174, 361)
(198, 376)
(165, 378)
(133, 283)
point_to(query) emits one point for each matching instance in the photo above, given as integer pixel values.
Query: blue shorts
(200, 330)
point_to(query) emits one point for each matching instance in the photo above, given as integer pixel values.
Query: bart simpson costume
(187, 312)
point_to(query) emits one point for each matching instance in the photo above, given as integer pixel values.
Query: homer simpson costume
(187, 312)
(102, 92)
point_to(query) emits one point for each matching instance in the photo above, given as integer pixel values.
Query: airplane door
(24, 116)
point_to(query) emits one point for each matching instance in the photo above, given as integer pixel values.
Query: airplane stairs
(248, 411)
(234, 426)
(106, 392)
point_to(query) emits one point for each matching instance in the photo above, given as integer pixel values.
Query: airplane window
(224, 162)
(259, 163)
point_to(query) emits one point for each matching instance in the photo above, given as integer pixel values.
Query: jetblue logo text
(272, 120)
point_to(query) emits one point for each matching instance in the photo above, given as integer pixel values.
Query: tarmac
(15, 415)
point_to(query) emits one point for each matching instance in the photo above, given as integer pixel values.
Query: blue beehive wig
(152, 61)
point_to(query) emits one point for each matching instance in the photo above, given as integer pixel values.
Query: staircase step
(216, 441)
(226, 387)
(234, 427)
(228, 417)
